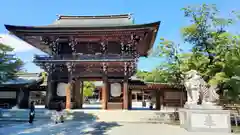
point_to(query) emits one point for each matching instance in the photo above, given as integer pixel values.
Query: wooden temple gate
(80, 48)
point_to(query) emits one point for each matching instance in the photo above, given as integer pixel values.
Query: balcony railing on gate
(83, 57)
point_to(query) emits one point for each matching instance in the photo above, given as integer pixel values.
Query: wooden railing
(79, 57)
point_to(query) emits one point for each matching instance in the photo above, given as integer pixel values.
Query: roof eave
(13, 28)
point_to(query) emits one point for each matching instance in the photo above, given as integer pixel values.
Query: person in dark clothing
(32, 112)
(151, 106)
(59, 113)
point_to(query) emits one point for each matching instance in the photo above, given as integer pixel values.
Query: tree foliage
(168, 71)
(9, 64)
(212, 46)
(88, 89)
(215, 52)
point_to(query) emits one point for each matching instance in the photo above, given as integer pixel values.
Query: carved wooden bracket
(48, 67)
(105, 67)
(125, 68)
(104, 44)
(52, 42)
(122, 47)
(70, 66)
(73, 44)
(54, 46)
(61, 67)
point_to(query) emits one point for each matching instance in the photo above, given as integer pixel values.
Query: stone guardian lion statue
(198, 90)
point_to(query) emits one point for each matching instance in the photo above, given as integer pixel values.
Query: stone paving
(96, 128)
(145, 129)
(46, 128)
(87, 125)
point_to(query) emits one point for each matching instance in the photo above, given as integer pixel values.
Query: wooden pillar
(78, 94)
(181, 98)
(105, 94)
(129, 99)
(99, 93)
(158, 103)
(161, 99)
(136, 96)
(23, 99)
(49, 91)
(68, 92)
(125, 94)
(142, 95)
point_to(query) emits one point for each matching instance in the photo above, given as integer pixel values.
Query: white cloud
(17, 44)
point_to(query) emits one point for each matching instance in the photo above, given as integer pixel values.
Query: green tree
(170, 70)
(209, 38)
(231, 74)
(9, 64)
(215, 52)
(88, 88)
(44, 75)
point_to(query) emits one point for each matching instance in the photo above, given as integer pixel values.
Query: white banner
(61, 89)
(116, 89)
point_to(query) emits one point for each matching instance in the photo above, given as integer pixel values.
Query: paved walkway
(96, 128)
(140, 129)
(47, 128)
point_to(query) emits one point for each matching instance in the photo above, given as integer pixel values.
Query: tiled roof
(26, 78)
(93, 21)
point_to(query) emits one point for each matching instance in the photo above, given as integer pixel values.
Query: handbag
(32, 113)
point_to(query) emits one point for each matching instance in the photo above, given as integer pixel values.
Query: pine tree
(9, 63)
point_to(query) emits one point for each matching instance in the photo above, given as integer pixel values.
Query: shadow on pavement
(100, 128)
(80, 121)
(79, 116)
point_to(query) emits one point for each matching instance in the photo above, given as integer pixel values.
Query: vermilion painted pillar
(69, 91)
(68, 96)
(105, 94)
(125, 95)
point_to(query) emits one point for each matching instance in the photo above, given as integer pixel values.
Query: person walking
(32, 112)
(59, 113)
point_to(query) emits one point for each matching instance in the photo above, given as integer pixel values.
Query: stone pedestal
(205, 120)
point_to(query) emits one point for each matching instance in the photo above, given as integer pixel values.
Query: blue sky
(43, 12)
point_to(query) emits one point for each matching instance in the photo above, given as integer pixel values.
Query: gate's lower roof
(24, 80)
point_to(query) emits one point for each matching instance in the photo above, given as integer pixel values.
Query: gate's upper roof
(89, 28)
(93, 21)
